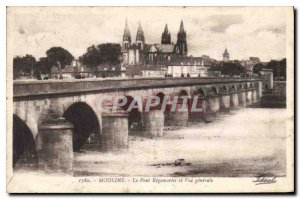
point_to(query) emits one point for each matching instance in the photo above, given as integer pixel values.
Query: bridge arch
(214, 90)
(24, 144)
(161, 96)
(201, 92)
(233, 87)
(181, 94)
(134, 115)
(240, 87)
(224, 88)
(86, 124)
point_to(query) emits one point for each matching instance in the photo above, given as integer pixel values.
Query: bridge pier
(243, 98)
(114, 131)
(153, 123)
(212, 109)
(198, 115)
(177, 117)
(56, 153)
(249, 97)
(259, 90)
(234, 101)
(224, 102)
(254, 95)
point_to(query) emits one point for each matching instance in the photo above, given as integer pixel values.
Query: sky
(243, 31)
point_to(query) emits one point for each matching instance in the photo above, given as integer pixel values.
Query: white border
(3, 5)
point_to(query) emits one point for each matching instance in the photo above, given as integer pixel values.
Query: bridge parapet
(53, 87)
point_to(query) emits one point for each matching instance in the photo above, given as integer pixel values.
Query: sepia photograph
(150, 99)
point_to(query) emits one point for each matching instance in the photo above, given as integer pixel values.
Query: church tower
(126, 38)
(225, 56)
(181, 40)
(140, 38)
(166, 36)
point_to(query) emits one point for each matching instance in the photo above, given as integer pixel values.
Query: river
(245, 143)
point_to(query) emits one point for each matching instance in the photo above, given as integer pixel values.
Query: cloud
(275, 29)
(220, 23)
(209, 30)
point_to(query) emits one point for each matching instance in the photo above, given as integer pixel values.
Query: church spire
(181, 40)
(140, 38)
(126, 30)
(126, 37)
(166, 36)
(140, 33)
(166, 29)
(140, 29)
(181, 27)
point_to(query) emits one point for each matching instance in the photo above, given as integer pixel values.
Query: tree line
(104, 55)
(108, 57)
(236, 68)
(278, 67)
(230, 68)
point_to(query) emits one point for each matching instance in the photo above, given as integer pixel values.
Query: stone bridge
(77, 101)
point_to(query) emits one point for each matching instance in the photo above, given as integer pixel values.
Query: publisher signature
(264, 180)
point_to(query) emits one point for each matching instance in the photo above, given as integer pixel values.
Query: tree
(232, 68)
(59, 54)
(110, 53)
(91, 58)
(107, 54)
(278, 67)
(257, 67)
(43, 66)
(23, 65)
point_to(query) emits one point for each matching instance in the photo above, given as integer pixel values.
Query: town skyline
(208, 34)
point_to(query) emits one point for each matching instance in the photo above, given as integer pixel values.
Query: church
(141, 53)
